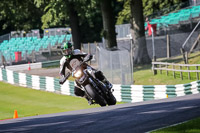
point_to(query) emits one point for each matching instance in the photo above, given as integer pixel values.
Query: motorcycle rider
(69, 59)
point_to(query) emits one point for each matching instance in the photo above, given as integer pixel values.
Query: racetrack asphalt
(124, 118)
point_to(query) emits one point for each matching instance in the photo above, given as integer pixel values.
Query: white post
(190, 35)
(195, 2)
(131, 58)
(154, 56)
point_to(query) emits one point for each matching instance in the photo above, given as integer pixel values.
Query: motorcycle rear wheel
(112, 100)
(95, 96)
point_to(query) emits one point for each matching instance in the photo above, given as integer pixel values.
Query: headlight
(78, 74)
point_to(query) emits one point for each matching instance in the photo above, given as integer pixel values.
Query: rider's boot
(88, 99)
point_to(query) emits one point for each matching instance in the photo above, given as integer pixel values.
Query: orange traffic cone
(29, 67)
(15, 114)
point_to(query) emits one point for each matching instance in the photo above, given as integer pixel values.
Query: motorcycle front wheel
(95, 96)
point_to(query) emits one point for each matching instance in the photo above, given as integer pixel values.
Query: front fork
(102, 88)
(95, 86)
(98, 85)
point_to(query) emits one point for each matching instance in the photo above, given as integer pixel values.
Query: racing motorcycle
(95, 89)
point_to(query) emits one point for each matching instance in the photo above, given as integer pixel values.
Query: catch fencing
(116, 66)
(56, 31)
(4, 37)
(123, 93)
(31, 33)
(91, 48)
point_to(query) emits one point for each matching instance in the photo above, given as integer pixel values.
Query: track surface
(124, 118)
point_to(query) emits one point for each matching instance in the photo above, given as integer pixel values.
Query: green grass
(191, 126)
(146, 77)
(29, 102)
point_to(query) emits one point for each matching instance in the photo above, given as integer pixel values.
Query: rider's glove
(91, 56)
(62, 80)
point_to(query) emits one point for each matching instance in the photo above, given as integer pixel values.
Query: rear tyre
(94, 95)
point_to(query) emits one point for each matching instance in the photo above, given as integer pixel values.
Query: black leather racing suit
(70, 63)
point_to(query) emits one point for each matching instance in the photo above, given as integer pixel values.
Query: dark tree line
(89, 19)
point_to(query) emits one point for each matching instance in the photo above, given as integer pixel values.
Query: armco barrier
(123, 93)
(25, 66)
(38, 65)
(50, 63)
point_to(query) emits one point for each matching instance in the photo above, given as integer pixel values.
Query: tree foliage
(125, 14)
(19, 15)
(41, 14)
(151, 8)
(87, 18)
(89, 15)
(55, 13)
(160, 7)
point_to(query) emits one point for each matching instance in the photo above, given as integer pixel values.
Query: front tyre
(95, 96)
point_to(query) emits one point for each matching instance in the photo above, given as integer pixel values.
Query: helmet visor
(67, 51)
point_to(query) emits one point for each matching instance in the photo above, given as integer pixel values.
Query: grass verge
(29, 102)
(191, 126)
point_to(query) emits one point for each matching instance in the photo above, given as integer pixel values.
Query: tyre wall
(123, 93)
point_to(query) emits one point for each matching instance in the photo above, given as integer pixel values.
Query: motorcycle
(95, 89)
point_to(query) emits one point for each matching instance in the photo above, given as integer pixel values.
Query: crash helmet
(67, 49)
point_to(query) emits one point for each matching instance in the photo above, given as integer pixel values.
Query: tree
(155, 8)
(90, 21)
(80, 13)
(125, 14)
(137, 26)
(108, 23)
(74, 24)
(83, 17)
(19, 15)
(58, 13)
(152, 8)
